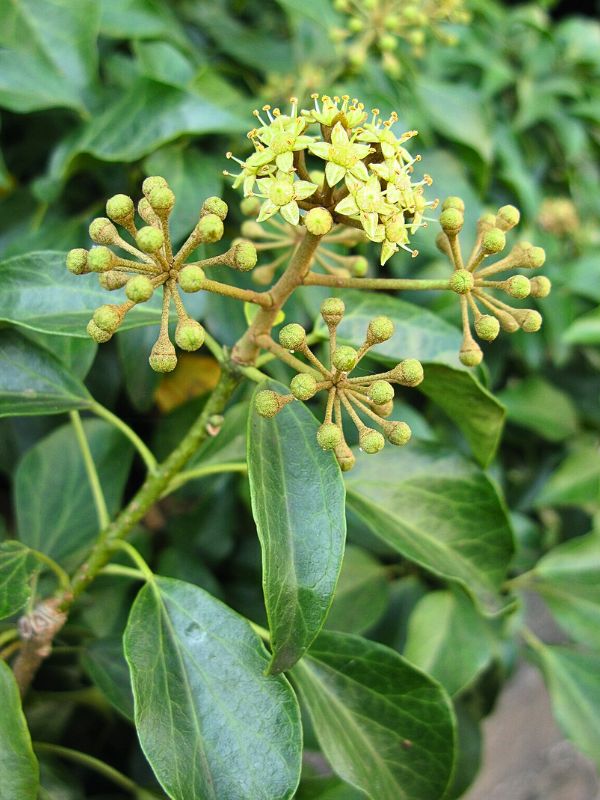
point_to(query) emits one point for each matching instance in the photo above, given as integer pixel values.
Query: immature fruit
(452, 220)
(147, 213)
(487, 327)
(149, 239)
(360, 266)
(189, 335)
(250, 206)
(381, 392)
(153, 182)
(267, 403)
(77, 261)
(210, 229)
(318, 221)
(461, 281)
(398, 433)
(303, 386)
(526, 255)
(344, 358)
(345, 457)
(453, 202)
(214, 205)
(540, 286)
(139, 289)
(292, 336)
(163, 357)
(493, 241)
(507, 322)
(508, 217)
(408, 372)
(100, 259)
(119, 207)
(332, 310)
(102, 231)
(112, 280)
(517, 286)
(244, 256)
(162, 200)
(97, 334)
(329, 436)
(380, 330)
(108, 318)
(529, 320)
(371, 441)
(191, 278)
(470, 354)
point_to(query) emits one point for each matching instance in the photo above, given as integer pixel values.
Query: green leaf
(32, 381)
(585, 329)
(211, 723)
(438, 510)
(15, 571)
(48, 54)
(384, 726)
(104, 662)
(76, 355)
(53, 471)
(572, 680)
(316, 788)
(139, 19)
(18, 765)
(440, 621)
(362, 593)
(537, 405)
(575, 482)
(298, 506)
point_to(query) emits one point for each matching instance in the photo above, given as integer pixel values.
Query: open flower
(281, 194)
(365, 202)
(343, 156)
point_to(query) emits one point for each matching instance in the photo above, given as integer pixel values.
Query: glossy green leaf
(327, 789)
(298, 506)
(438, 510)
(537, 405)
(77, 355)
(585, 329)
(576, 481)
(449, 639)
(139, 19)
(104, 662)
(53, 471)
(384, 726)
(211, 723)
(33, 381)
(361, 595)
(18, 765)
(15, 570)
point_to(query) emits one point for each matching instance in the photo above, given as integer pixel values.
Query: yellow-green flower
(365, 202)
(281, 194)
(343, 156)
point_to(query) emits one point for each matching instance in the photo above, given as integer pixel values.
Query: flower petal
(347, 206)
(339, 136)
(285, 162)
(320, 149)
(334, 173)
(267, 210)
(290, 213)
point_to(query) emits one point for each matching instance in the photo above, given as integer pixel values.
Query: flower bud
(139, 289)
(461, 281)
(100, 259)
(454, 202)
(191, 278)
(329, 436)
(493, 241)
(486, 222)
(332, 310)
(452, 221)
(344, 456)
(517, 286)
(380, 330)
(360, 266)
(250, 206)
(267, 403)
(344, 358)
(102, 231)
(77, 261)
(244, 255)
(112, 280)
(108, 318)
(189, 335)
(470, 353)
(303, 386)
(210, 229)
(507, 217)
(540, 286)
(318, 221)
(408, 372)
(507, 322)
(381, 392)
(263, 275)
(487, 327)
(529, 320)
(163, 357)
(371, 441)
(119, 208)
(250, 229)
(388, 42)
(97, 334)
(161, 200)
(385, 409)
(292, 336)
(216, 206)
(147, 213)
(153, 182)
(398, 433)
(527, 256)
(149, 239)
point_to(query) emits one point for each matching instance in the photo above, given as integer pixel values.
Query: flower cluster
(367, 178)
(558, 215)
(471, 278)
(368, 395)
(381, 24)
(154, 265)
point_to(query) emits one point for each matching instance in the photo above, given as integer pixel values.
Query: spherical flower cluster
(558, 215)
(369, 395)
(154, 265)
(471, 278)
(366, 181)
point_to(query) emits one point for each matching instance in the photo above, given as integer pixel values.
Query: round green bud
(210, 229)
(214, 205)
(540, 286)
(355, 24)
(416, 37)
(507, 217)
(108, 318)
(112, 280)
(163, 357)
(461, 281)
(453, 202)
(303, 386)
(529, 320)
(385, 409)
(153, 182)
(250, 206)
(380, 330)
(360, 266)
(408, 372)
(536, 257)
(371, 441)
(100, 259)
(381, 392)
(332, 310)
(102, 231)
(147, 213)
(244, 255)
(507, 322)
(452, 220)
(77, 261)
(267, 403)
(161, 200)
(344, 358)
(149, 239)
(318, 221)
(119, 207)
(517, 286)
(250, 229)
(292, 336)
(189, 335)
(329, 436)
(391, 22)
(97, 334)
(487, 327)
(139, 289)
(493, 241)
(388, 42)
(345, 457)
(470, 354)
(191, 278)
(485, 222)
(398, 433)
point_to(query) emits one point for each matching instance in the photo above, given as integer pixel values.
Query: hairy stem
(397, 284)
